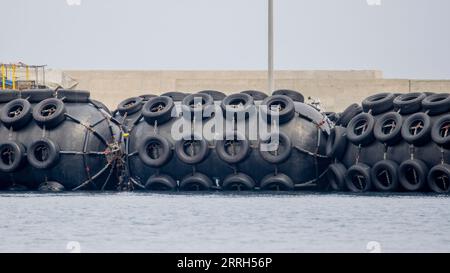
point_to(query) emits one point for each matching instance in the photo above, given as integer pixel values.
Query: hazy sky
(403, 38)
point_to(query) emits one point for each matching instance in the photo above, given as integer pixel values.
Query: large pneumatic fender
(408, 149)
(66, 143)
(234, 162)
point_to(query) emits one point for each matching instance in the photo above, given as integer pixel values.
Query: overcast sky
(403, 38)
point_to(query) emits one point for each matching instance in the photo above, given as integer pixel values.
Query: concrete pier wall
(335, 89)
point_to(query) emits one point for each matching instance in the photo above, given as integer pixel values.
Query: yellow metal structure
(14, 77)
(18, 76)
(3, 77)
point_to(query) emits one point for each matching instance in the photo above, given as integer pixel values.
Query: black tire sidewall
(129, 110)
(73, 95)
(160, 117)
(161, 179)
(19, 155)
(362, 169)
(423, 136)
(435, 132)
(436, 107)
(279, 158)
(239, 178)
(336, 176)
(280, 179)
(197, 178)
(409, 103)
(240, 156)
(19, 121)
(53, 154)
(53, 120)
(165, 155)
(419, 166)
(336, 142)
(197, 158)
(395, 136)
(378, 103)
(237, 112)
(367, 136)
(284, 115)
(389, 166)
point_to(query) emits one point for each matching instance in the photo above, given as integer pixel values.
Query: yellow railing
(14, 77)
(3, 77)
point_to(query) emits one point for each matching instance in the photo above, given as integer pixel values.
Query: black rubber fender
(384, 176)
(409, 103)
(336, 176)
(190, 100)
(349, 113)
(43, 153)
(37, 95)
(285, 103)
(439, 178)
(440, 132)
(378, 103)
(68, 95)
(16, 113)
(154, 151)
(277, 182)
(360, 129)
(12, 155)
(8, 95)
(196, 182)
(336, 142)
(412, 174)
(158, 109)
(294, 95)
(238, 182)
(130, 106)
(358, 178)
(388, 128)
(199, 149)
(416, 129)
(161, 182)
(49, 113)
(284, 144)
(436, 104)
(233, 139)
(237, 105)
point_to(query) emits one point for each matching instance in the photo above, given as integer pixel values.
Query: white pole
(271, 86)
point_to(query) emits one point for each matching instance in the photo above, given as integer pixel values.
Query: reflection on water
(221, 222)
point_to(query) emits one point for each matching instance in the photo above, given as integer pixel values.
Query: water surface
(218, 222)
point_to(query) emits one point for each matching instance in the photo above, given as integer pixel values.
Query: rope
(311, 182)
(93, 177)
(309, 152)
(109, 176)
(86, 167)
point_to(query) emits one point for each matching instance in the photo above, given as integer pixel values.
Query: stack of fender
(394, 143)
(157, 161)
(57, 140)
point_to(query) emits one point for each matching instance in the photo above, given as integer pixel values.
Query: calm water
(217, 222)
